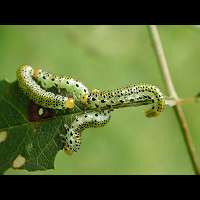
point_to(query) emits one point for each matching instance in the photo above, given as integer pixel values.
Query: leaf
(25, 144)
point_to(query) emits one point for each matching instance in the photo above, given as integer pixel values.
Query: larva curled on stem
(132, 95)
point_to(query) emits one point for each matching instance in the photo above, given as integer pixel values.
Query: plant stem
(172, 92)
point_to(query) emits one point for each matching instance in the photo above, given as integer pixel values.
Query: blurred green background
(106, 57)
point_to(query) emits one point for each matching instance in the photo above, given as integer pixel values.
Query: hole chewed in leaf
(3, 136)
(37, 113)
(18, 162)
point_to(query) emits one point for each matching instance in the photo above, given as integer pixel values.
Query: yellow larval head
(36, 72)
(67, 150)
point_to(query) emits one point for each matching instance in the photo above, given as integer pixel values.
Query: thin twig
(172, 92)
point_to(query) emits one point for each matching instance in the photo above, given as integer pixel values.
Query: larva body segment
(133, 95)
(37, 94)
(72, 86)
(73, 135)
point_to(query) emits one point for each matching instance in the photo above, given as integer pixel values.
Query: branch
(172, 92)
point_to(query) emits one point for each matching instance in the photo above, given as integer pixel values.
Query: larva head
(67, 150)
(70, 103)
(151, 113)
(156, 109)
(36, 72)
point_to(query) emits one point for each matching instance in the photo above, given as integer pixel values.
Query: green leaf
(25, 144)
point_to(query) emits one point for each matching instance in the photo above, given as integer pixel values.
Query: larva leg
(37, 94)
(73, 133)
(72, 86)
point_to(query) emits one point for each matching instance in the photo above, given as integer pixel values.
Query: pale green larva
(133, 95)
(25, 76)
(72, 138)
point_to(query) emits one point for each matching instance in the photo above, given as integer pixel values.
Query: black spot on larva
(103, 101)
(67, 82)
(71, 134)
(121, 101)
(96, 115)
(44, 77)
(109, 106)
(53, 79)
(96, 105)
(93, 99)
(84, 90)
(77, 85)
(85, 116)
(70, 142)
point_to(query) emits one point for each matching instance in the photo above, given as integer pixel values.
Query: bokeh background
(106, 57)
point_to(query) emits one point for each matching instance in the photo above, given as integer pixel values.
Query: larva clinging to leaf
(133, 95)
(29, 81)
